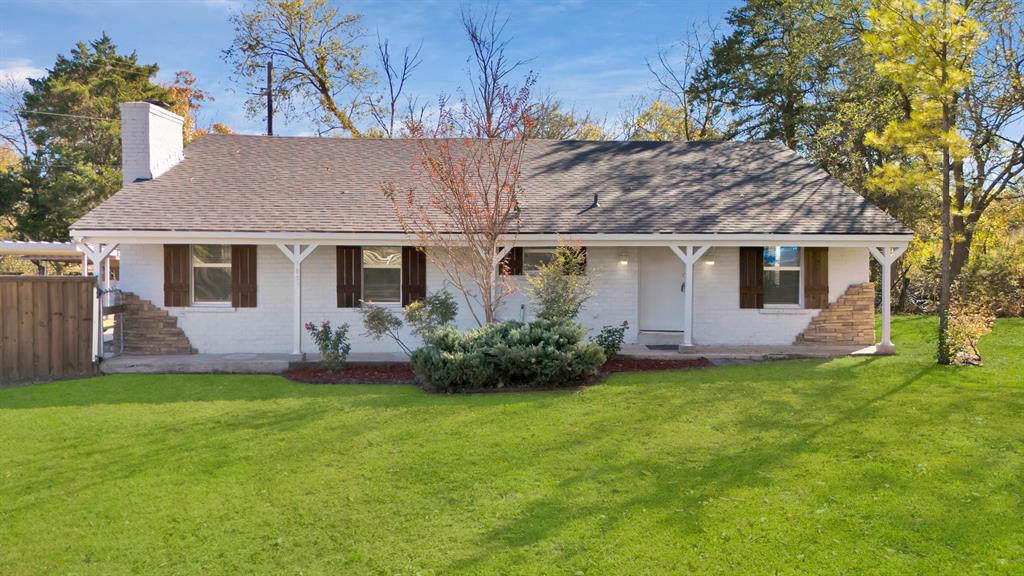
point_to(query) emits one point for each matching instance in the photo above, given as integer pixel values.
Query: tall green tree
(73, 124)
(927, 48)
(770, 70)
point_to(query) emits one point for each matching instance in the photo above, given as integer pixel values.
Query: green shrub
(610, 339)
(333, 343)
(559, 288)
(542, 353)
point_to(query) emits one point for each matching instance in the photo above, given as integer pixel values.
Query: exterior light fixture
(623, 258)
(709, 261)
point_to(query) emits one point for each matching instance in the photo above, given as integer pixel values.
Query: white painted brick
(268, 327)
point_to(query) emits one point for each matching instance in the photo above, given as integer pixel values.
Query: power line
(67, 115)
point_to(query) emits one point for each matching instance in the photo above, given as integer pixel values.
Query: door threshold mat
(672, 347)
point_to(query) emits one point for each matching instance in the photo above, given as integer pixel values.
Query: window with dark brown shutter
(176, 275)
(512, 263)
(414, 275)
(751, 277)
(350, 276)
(243, 276)
(815, 277)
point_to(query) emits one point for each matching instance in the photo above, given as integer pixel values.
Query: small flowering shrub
(968, 322)
(610, 338)
(424, 317)
(333, 343)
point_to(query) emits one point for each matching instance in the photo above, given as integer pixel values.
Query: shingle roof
(291, 184)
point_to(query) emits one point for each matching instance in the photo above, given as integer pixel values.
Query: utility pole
(270, 98)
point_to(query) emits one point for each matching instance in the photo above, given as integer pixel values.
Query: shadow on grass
(713, 478)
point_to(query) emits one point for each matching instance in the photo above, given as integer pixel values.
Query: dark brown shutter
(243, 276)
(176, 271)
(751, 277)
(815, 277)
(512, 263)
(414, 275)
(350, 276)
(583, 260)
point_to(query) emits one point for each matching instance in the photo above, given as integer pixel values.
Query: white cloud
(19, 70)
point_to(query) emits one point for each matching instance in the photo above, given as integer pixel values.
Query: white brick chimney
(151, 141)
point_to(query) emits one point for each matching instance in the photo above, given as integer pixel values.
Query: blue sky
(591, 54)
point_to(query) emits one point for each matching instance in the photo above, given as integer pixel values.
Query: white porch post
(689, 255)
(296, 253)
(886, 257)
(97, 254)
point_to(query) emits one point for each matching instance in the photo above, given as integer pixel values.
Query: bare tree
(465, 215)
(489, 71)
(13, 126)
(388, 110)
(686, 109)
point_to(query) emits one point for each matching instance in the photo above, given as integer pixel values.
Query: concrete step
(659, 337)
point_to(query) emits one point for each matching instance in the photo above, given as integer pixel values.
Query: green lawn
(856, 465)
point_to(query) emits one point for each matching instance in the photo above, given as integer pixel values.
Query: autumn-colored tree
(927, 47)
(186, 101)
(470, 164)
(317, 56)
(552, 120)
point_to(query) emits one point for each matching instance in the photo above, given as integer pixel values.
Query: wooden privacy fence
(46, 327)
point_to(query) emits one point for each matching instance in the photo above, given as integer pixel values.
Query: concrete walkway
(224, 363)
(273, 363)
(752, 352)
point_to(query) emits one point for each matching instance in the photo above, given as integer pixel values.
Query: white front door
(661, 295)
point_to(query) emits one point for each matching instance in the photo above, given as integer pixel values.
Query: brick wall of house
(848, 320)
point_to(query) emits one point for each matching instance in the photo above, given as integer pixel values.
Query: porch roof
(258, 184)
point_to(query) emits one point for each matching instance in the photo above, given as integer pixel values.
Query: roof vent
(596, 204)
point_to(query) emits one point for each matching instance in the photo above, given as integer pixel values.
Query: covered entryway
(662, 300)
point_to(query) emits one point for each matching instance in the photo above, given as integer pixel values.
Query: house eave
(386, 238)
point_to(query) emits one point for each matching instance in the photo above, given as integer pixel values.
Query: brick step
(148, 329)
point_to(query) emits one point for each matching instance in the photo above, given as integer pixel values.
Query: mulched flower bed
(401, 373)
(628, 364)
(394, 373)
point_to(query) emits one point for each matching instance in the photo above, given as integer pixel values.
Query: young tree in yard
(73, 156)
(317, 56)
(470, 164)
(927, 48)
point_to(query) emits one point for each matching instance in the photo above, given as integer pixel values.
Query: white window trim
(192, 281)
(800, 284)
(362, 280)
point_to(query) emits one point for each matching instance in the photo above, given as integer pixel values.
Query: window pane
(382, 284)
(211, 253)
(781, 286)
(784, 256)
(212, 284)
(533, 258)
(382, 257)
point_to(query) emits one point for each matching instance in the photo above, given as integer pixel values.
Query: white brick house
(242, 239)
